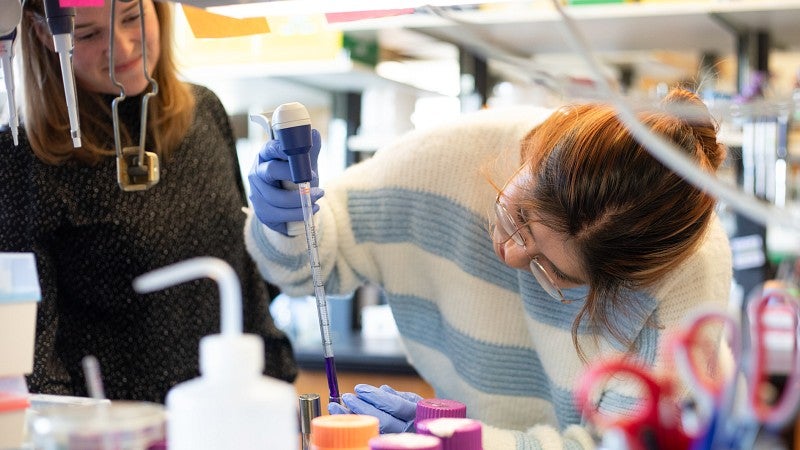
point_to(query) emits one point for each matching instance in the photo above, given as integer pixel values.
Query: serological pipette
(61, 22)
(291, 125)
(11, 14)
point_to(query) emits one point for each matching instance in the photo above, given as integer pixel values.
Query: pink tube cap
(432, 408)
(405, 441)
(455, 433)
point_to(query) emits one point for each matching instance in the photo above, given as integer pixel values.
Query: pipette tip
(15, 136)
(76, 142)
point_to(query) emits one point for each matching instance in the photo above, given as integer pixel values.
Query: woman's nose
(124, 45)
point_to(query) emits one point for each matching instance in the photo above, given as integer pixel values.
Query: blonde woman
(91, 238)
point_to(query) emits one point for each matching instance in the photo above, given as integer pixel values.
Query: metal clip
(135, 173)
(137, 169)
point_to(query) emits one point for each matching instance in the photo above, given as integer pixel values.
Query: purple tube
(333, 383)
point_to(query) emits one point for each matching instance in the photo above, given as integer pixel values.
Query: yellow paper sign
(205, 24)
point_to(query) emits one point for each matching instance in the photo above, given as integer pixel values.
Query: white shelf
(696, 26)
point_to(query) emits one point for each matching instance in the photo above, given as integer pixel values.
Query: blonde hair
(170, 113)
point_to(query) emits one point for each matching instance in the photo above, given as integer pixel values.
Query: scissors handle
(644, 426)
(709, 384)
(777, 412)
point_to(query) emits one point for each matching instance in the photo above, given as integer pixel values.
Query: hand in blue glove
(275, 205)
(395, 410)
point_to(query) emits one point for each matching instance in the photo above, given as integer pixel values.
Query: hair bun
(687, 107)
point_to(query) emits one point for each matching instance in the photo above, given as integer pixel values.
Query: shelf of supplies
(535, 28)
(696, 26)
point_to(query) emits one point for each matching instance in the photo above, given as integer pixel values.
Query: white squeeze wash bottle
(231, 405)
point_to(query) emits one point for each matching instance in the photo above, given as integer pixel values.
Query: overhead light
(295, 7)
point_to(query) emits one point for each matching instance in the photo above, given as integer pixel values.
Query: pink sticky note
(361, 15)
(80, 3)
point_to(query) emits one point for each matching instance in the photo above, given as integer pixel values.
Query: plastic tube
(667, 153)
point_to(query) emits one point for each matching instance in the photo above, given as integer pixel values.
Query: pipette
(9, 19)
(291, 125)
(61, 22)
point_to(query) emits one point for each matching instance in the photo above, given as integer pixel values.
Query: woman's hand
(395, 410)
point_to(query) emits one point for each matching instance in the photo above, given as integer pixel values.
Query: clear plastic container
(118, 425)
(19, 295)
(12, 419)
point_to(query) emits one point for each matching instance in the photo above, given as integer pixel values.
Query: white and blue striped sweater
(413, 219)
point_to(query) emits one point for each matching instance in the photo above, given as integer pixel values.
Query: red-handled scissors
(654, 421)
(712, 378)
(701, 362)
(774, 326)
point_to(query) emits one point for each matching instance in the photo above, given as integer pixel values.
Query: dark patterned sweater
(91, 239)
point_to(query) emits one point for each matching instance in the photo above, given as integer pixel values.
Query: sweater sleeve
(18, 233)
(539, 437)
(416, 161)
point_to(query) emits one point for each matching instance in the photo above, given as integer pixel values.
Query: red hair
(631, 219)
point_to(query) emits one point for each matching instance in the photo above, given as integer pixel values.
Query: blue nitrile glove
(395, 410)
(273, 204)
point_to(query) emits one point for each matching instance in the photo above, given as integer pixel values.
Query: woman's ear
(42, 32)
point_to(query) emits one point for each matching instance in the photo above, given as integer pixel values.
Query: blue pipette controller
(291, 125)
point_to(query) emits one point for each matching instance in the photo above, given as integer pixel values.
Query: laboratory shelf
(681, 25)
(531, 28)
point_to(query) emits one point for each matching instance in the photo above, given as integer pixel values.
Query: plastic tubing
(667, 153)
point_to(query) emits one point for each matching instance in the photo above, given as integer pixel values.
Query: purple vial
(455, 433)
(405, 441)
(433, 408)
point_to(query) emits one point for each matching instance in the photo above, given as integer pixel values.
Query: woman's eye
(86, 36)
(560, 275)
(131, 18)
